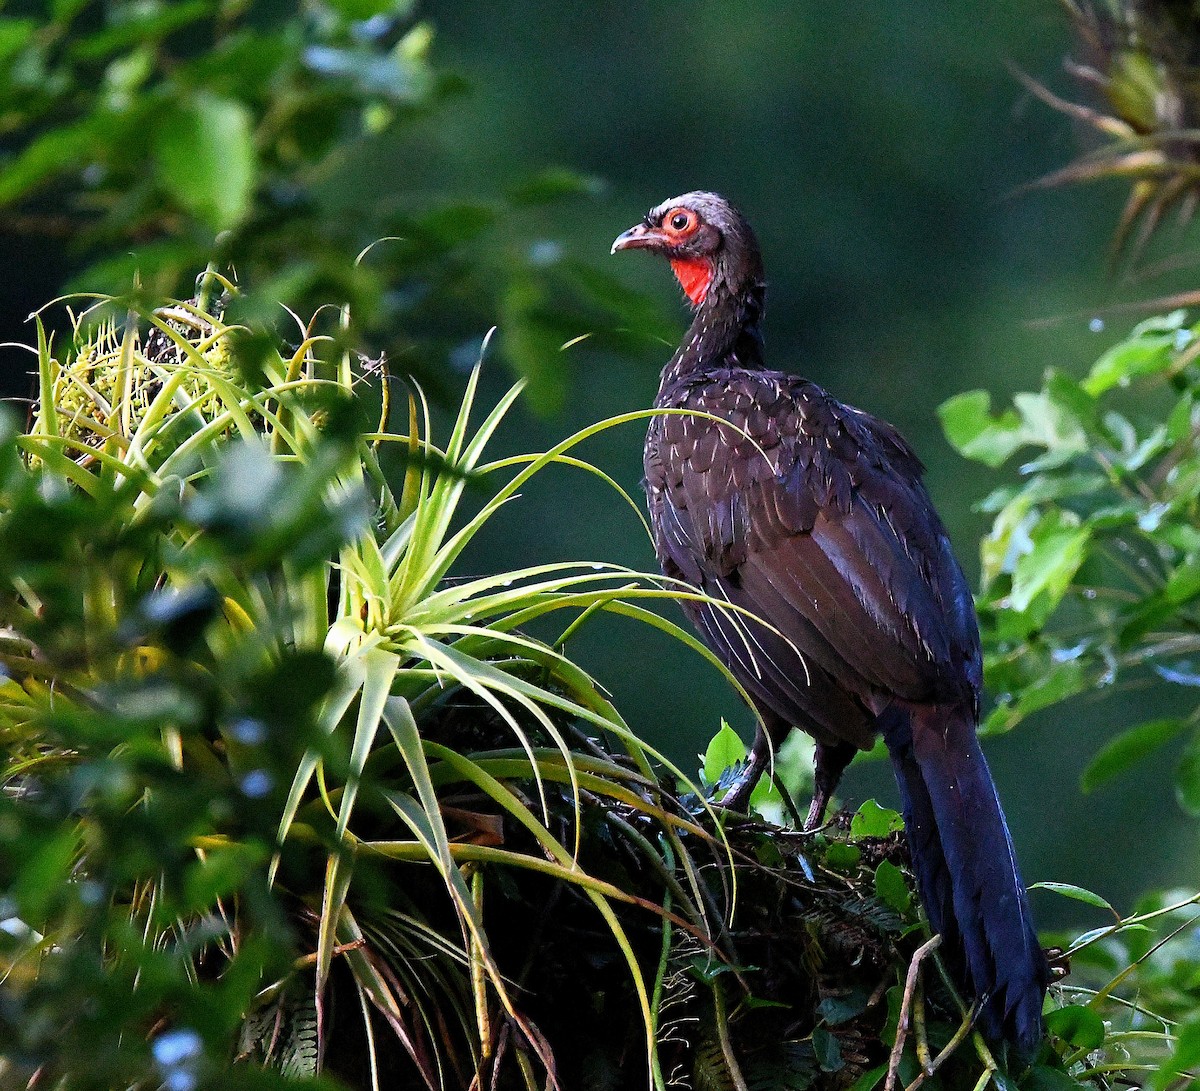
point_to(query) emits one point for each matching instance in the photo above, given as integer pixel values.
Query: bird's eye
(681, 221)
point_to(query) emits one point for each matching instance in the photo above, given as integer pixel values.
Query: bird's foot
(816, 812)
(737, 796)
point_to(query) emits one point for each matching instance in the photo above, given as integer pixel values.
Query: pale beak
(639, 237)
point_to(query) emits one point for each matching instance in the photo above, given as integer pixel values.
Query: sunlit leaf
(1131, 359)
(14, 34)
(1076, 893)
(977, 434)
(872, 820)
(724, 751)
(1048, 422)
(1058, 550)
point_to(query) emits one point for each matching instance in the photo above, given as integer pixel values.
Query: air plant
(1139, 64)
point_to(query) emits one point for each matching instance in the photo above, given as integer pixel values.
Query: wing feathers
(818, 512)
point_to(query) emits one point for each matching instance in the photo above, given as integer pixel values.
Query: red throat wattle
(694, 275)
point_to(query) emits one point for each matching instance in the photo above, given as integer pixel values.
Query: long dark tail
(966, 869)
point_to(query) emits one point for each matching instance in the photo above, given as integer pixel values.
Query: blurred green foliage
(1091, 570)
(153, 138)
(241, 687)
(150, 730)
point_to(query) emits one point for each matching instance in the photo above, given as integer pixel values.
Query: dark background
(880, 150)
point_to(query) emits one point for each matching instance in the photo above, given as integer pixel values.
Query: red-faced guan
(793, 508)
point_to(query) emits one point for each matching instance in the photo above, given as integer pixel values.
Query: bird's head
(708, 242)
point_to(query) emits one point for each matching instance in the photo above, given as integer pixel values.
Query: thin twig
(310, 959)
(921, 1041)
(960, 1036)
(910, 987)
(721, 1018)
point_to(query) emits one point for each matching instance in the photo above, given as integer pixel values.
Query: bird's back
(768, 493)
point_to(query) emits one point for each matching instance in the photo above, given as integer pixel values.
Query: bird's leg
(757, 761)
(738, 795)
(831, 762)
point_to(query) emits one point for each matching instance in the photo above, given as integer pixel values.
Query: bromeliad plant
(286, 797)
(1135, 63)
(183, 658)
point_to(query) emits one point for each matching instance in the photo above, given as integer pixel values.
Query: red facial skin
(694, 276)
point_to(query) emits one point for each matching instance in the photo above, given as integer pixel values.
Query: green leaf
(1179, 423)
(1187, 778)
(891, 888)
(66, 10)
(1053, 682)
(1059, 549)
(766, 799)
(141, 25)
(43, 878)
(204, 152)
(839, 1009)
(14, 33)
(753, 1002)
(1047, 422)
(1158, 609)
(220, 874)
(359, 10)
(707, 969)
(1076, 893)
(872, 820)
(1068, 394)
(1183, 585)
(1128, 748)
(973, 431)
(1185, 1057)
(1080, 1026)
(724, 751)
(869, 1080)
(1128, 360)
(60, 148)
(841, 856)
(827, 1050)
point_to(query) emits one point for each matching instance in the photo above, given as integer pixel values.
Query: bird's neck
(726, 331)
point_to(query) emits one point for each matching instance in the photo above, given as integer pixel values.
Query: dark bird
(771, 496)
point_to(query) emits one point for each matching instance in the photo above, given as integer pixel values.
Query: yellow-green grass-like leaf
(423, 817)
